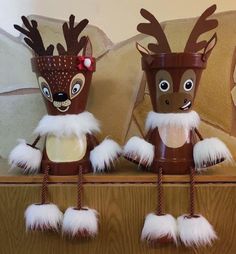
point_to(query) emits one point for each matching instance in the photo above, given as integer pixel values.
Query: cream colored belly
(174, 137)
(66, 149)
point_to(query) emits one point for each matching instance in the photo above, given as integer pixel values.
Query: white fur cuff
(138, 148)
(26, 156)
(43, 217)
(82, 222)
(188, 120)
(195, 231)
(68, 125)
(103, 155)
(210, 150)
(156, 227)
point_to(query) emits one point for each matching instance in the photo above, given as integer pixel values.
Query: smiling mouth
(63, 109)
(186, 106)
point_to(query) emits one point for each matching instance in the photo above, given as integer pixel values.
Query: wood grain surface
(125, 172)
(122, 209)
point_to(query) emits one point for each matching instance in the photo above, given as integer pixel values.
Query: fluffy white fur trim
(156, 227)
(103, 155)
(67, 125)
(26, 156)
(80, 220)
(182, 120)
(43, 216)
(210, 150)
(138, 147)
(195, 232)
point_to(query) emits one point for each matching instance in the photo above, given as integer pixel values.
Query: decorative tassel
(44, 216)
(80, 222)
(159, 227)
(194, 229)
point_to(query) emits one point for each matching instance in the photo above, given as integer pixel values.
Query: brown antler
(33, 38)
(202, 25)
(154, 29)
(71, 34)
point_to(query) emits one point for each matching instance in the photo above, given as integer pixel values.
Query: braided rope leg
(192, 192)
(159, 193)
(80, 188)
(44, 193)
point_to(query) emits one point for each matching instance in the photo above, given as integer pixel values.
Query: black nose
(60, 97)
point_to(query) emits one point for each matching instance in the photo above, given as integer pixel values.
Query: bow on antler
(33, 38)
(71, 34)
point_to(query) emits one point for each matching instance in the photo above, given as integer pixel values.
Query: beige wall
(118, 18)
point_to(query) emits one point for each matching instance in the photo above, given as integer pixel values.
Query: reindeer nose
(60, 96)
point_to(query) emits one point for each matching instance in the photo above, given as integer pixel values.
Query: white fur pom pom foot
(43, 217)
(80, 223)
(159, 229)
(210, 151)
(103, 156)
(195, 231)
(26, 157)
(139, 150)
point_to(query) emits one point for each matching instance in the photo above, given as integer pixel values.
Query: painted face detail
(173, 94)
(61, 87)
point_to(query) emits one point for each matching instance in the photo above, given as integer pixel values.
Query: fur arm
(139, 150)
(103, 155)
(26, 156)
(210, 151)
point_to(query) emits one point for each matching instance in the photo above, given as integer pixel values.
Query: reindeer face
(64, 82)
(173, 90)
(173, 77)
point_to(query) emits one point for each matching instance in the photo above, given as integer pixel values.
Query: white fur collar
(67, 125)
(188, 120)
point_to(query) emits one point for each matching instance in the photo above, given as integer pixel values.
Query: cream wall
(118, 18)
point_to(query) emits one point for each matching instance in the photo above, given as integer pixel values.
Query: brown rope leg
(80, 188)
(45, 185)
(192, 192)
(159, 193)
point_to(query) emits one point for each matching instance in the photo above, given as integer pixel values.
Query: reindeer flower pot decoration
(70, 145)
(171, 146)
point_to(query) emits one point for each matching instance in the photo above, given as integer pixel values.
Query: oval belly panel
(174, 137)
(66, 149)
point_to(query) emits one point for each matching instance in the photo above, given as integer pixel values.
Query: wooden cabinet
(123, 198)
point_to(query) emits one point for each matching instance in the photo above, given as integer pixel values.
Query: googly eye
(76, 85)
(164, 85)
(46, 92)
(45, 88)
(75, 88)
(188, 85)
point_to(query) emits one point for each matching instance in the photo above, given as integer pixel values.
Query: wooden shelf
(125, 173)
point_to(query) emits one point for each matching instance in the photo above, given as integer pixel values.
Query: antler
(203, 25)
(154, 29)
(33, 38)
(71, 34)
